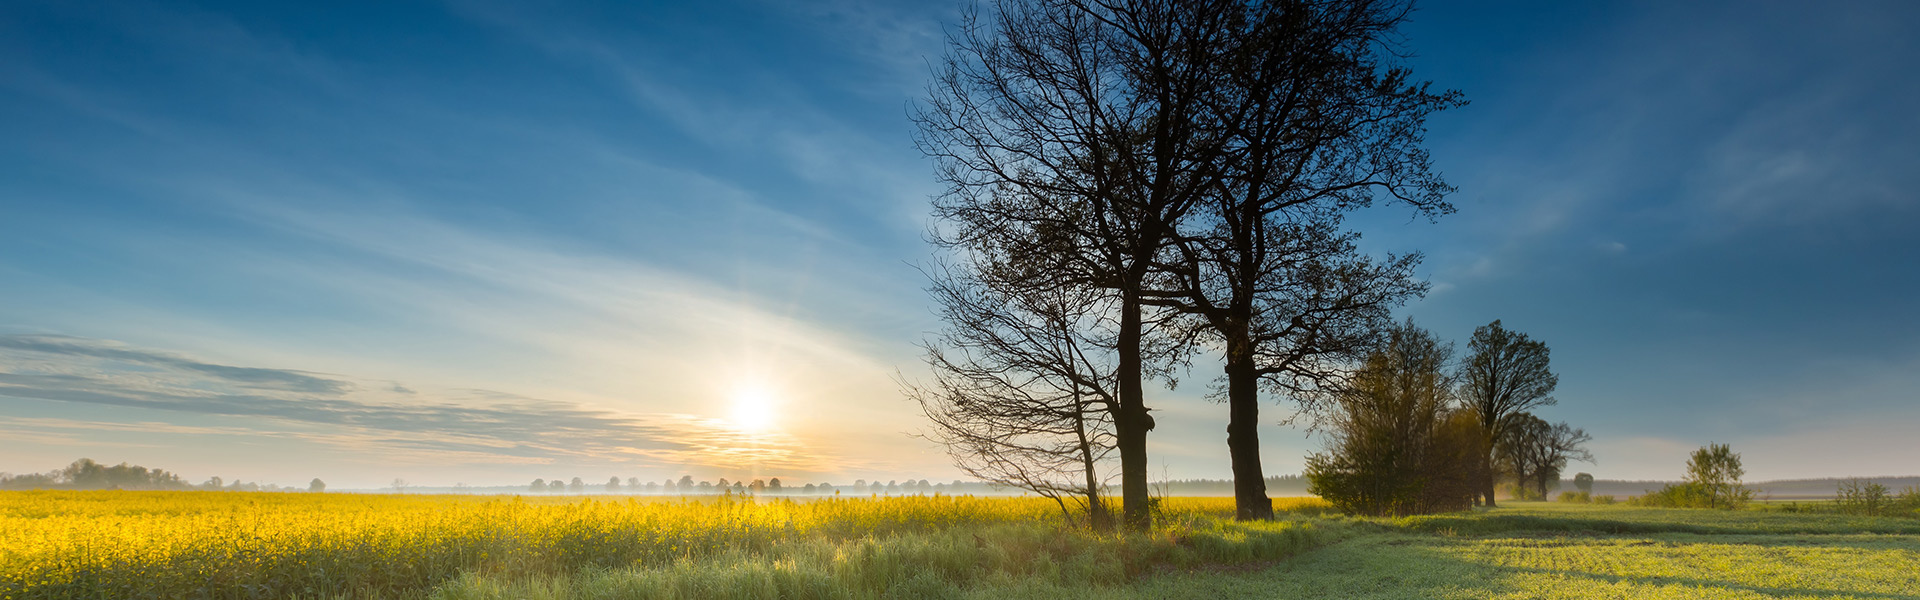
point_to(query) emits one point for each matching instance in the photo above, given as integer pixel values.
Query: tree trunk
(1487, 487)
(1097, 516)
(1250, 500)
(1130, 426)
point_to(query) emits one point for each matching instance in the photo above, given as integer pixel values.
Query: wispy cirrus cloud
(454, 426)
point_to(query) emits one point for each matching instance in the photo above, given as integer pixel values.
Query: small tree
(400, 485)
(1583, 482)
(556, 486)
(773, 486)
(539, 485)
(1716, 470)
(613, 485)
(316, 486)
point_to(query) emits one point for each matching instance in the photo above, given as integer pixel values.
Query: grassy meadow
(274, 545)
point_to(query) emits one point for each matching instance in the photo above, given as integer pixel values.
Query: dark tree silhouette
(316, 486)
(539, 485)
(1506, 373)
(613, 485)
(1023, 394)
(1080, 138)
(1535, 452)
(1322, 121)
(1073, 137)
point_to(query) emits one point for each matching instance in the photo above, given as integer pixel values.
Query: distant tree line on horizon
(772, 486)
(85, 474)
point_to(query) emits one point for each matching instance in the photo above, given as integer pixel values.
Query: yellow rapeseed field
(119, 544)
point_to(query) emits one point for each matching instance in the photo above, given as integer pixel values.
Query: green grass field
(242, 545)
(1523, 550)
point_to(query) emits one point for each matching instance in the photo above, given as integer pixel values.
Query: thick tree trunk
(1250, 500)
(1131, 425)
(1487, 475)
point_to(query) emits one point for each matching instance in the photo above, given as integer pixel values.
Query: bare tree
(1506, 374)
(1079, 136)
(1023, 390)
(1073, 136)
(1321, 122)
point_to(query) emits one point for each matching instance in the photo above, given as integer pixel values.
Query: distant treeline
(85, 474)
(1783, 489)
(686, 485)
(1277, 485)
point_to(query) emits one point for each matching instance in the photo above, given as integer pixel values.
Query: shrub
(1518, 491)
(1576, 497)
(1692, 495)
(1908, 502)
(1603, 499)
(1858, 497)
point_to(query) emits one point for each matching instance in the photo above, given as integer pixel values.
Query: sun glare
(753, 408)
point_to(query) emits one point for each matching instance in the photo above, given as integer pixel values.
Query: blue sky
(479, 242)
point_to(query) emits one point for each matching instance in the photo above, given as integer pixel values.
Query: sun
(754, 407)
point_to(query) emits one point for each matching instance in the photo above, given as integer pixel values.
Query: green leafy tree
(1716, 470)
(1396, 447)
(1583, 482)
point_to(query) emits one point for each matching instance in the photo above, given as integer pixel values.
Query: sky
(483, 242)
